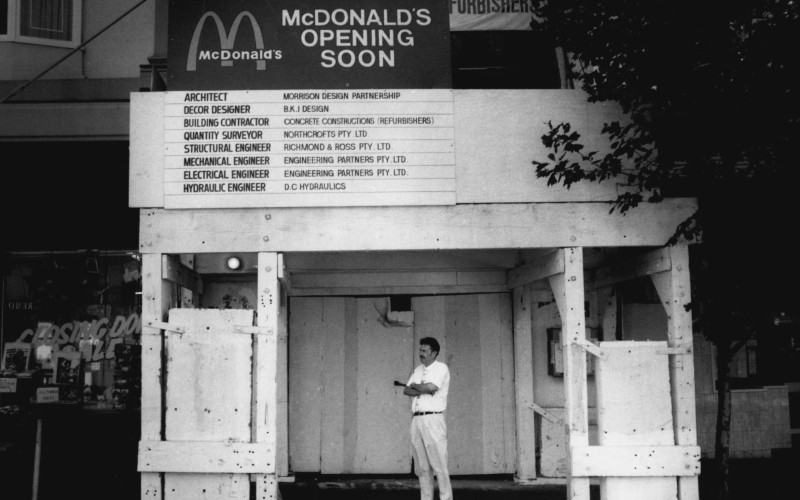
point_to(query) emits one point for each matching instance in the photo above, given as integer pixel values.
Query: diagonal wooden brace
(590, 347)
(546, 414)
(164, 326)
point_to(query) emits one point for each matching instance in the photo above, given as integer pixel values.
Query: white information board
(270, 148)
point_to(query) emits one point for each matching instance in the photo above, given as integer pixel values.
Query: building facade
(329, 297)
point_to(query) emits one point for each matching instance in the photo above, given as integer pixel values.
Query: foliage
(707, 86)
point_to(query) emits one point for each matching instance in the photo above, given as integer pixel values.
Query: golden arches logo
(226, 41)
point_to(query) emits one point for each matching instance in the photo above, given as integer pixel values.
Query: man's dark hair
(432, 343)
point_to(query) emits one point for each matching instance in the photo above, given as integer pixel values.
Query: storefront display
(71, 329)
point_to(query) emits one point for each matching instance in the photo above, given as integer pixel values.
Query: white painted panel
(636, 461)
(209, 376)
(383, 444)
(209, 392)
(334, 393)
(206, 487)
(474, 332)
(305, 383)
(634, 407)
(204, 456)
(493, 337)
(497, 137)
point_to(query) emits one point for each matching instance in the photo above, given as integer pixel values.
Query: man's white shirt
(437, 374)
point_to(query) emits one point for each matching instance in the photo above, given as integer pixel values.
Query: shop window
(46, 22)
(71, 329)
(3, 17)
(503, 60)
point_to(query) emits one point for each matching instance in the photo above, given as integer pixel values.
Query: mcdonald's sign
(280, 44)
(227, 55)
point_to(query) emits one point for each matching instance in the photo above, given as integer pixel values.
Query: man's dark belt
(418, 413)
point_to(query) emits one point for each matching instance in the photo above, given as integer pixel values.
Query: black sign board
(290, 44)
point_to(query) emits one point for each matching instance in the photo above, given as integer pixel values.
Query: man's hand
(425, 388)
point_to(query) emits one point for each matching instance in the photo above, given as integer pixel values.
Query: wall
(345, 416)
(117, 53)
(23, 61)
(548, 392)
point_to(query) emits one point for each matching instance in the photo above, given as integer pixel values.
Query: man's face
(426, 356)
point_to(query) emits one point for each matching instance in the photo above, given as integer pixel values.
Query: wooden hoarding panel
(209, 394)
(634, 408)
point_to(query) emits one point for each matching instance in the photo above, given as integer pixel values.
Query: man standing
(428, 388)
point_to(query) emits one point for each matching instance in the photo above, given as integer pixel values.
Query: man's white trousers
(429, 447)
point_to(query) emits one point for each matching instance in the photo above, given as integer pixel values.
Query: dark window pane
(503, 60)
(50, 19)
(3, 17)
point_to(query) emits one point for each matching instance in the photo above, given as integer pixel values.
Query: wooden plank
(541, 268)
(438, 260)
(203, 456)
(569, 294)
(334, 389)
(492, 418)
(208, 394)
(506, 315)
(154, 294)
(264, 428)
(306, 328)
(397, 290)
(384, 443)
(396, 279)
(209, 388)
(553, 460)
(636, 461)
(523, 385)
(674, 289)
(464, 414)
(406, 261)
(500, 226)
(634, 409)
(265, 390)
(646, 264)
(187, 486)
(351, 358)
(412, 195)
(429, 321)
(282, 377)
(174, 271)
